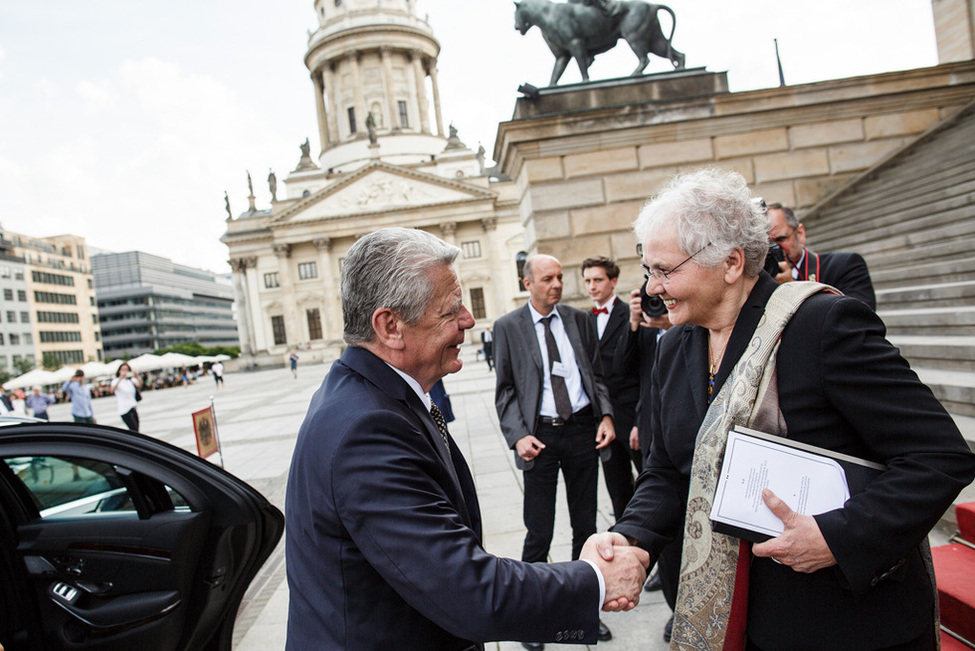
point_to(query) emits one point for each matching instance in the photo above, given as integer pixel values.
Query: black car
(112, 540)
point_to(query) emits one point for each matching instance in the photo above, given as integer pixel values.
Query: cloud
(97, 96)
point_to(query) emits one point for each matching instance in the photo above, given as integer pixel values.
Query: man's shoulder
(841, 257)
(510, 317)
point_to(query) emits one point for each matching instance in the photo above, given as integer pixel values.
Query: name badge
(559, 369)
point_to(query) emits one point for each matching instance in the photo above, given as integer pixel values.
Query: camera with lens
(652, 305)
(774, 256)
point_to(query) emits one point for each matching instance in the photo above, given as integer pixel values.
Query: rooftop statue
(581, 29)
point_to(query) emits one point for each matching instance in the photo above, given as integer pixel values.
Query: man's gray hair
(709, 206)
(390, 268)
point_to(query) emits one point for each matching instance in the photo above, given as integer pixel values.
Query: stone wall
(583, 168)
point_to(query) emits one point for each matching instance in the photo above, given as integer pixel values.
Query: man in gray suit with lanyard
(553, 407)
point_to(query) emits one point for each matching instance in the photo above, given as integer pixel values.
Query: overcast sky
(125, 121)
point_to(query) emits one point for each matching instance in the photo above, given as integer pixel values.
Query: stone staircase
(912, 216)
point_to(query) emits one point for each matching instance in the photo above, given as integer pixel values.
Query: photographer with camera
(845, 271)
(634, 357)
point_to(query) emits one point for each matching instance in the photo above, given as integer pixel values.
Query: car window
(70, 487)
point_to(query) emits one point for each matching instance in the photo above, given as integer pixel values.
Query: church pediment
(381, 187)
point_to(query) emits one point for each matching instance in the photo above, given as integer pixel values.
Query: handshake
(624, 569)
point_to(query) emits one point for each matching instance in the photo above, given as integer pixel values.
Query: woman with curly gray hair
(797, 360)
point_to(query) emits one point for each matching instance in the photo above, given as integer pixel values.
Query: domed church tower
(369, 62)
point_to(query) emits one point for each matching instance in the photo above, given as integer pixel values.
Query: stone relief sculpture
(581, 29)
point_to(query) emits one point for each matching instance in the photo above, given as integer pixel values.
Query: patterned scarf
(710, 611)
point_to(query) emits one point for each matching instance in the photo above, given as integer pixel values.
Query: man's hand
(624, 569)
(634, 439)
(605, 434)
(785, 273)
(636, 310)
(528, 447)
(801, 545)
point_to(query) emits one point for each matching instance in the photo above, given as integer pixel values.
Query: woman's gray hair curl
(709, 206)
(389, 268)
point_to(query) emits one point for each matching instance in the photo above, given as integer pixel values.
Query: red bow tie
(600, 310)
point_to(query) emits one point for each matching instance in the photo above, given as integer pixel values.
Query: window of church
(404, 116)
(271, 280)
(352, 128)
(471, 249)
(478, 310)
(314, 324)
(307, 270)
(277, 327)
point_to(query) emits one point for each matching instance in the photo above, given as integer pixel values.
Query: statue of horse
(580, 31)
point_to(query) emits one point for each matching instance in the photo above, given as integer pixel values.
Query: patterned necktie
(441, 424)
(563, 405)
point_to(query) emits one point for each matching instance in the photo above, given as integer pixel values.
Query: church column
(256, 318)
(394, 124)
(333, 307)
(332, 109)
(490, 226)
(436, 96)
(421, 91)
(449, 232)
(283, 252)
(320, 112)
(238, 267)
(360, 103)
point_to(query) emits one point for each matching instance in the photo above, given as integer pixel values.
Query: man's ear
(388, 327)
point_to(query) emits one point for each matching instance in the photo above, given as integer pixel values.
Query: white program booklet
(809, 479)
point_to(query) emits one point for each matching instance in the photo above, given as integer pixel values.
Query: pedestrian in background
(125, 387)
(80, 395)
(39, 402)
(294, 364)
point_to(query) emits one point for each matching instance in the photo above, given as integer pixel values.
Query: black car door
(114, 540)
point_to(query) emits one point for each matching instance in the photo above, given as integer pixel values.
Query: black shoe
(533, 645)
(653, 583)
(669, 629)
(604, 635)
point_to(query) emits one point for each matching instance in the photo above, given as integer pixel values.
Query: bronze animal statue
(577, 30)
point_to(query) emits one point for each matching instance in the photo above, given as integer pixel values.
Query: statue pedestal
(374, 151)
(608, 93)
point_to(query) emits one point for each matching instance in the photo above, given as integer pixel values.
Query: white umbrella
(175, 360)
(221, 357)
(146, 362)
(38, 377)
(97, 369)
(64, 374)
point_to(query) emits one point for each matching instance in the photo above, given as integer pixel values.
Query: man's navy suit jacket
(384, 534)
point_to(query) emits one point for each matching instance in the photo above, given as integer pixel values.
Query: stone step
(930, 322)
(942, 271)
(864, 218)
(909, 231)
(955, 389)
(903, 258)
(925, 296)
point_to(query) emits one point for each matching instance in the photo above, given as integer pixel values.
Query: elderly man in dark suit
(611, 316)
(553, 407)
(845, 271)
(384, 528)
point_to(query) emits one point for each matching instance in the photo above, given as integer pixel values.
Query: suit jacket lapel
(618, 317)
(695, 354)
(528, 331)
(376, 371)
